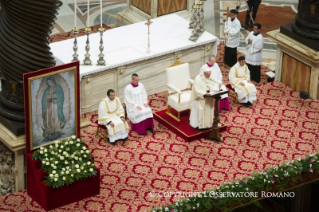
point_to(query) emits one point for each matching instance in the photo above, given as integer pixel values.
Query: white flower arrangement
(278, 178)
(68, 157)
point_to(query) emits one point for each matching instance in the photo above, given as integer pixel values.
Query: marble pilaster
(300, 52)
(14, 151)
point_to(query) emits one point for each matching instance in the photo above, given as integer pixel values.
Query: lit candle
(75, 13)
(88, 21)
(101, 12)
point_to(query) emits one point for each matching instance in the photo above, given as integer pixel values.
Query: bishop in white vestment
(255, 44)
(111, 114)
(137, 108)
(232, 36)
(239, 78)
(202, 113)
(214, 68)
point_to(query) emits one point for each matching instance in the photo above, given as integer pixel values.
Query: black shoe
(152, 130)
(249, 103)
(244, 26)
(245, 104)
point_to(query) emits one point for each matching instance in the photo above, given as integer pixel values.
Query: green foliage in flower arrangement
(273, 180)
(66, 161)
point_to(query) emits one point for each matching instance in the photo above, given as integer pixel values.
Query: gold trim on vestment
(237, 72)
(107, 106)
(101, 120)
(246, 89)
(120, 113)
(237, 81)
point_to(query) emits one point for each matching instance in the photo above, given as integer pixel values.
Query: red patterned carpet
(279, 127)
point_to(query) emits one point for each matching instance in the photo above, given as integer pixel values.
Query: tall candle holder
(87, 60)
(201, 16)
(101, 61)
(75, 44)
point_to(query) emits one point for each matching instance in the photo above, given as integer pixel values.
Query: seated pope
(202, 113)
(137, 108)
(111, 114)
(213, 66)
(239, 78)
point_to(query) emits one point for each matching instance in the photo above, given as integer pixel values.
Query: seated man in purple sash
(213, 66)
(137, 108)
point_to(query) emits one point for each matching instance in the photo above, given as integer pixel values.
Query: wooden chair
(101, 128)
(235, 96)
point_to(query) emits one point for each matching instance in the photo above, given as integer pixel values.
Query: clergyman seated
(111, 114)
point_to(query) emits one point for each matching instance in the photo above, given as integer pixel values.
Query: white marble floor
(214, 18)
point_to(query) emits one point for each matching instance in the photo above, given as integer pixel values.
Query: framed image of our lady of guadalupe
(52, 104)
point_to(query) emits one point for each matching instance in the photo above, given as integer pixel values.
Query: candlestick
(101, 14)
(74, 13)
(87, 60)
(148, 23)
(101, 60)
(75, 44)
(88, 19)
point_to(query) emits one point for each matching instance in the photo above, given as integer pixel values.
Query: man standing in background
(252, 7)
(232, 36)
(254, 57)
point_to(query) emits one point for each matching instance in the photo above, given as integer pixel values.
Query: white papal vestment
(202, 113)
(111, 111)
(133, 97)
(239, 74)
(217, 74)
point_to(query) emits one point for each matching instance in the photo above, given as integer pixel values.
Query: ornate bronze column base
(303, 28)
(306, 23)
(12, 107)
(11, 100)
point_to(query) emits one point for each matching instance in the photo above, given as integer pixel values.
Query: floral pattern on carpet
(279, 127)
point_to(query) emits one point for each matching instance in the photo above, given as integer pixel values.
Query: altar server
(111, 114)
(255, 43)
(137, 108)
(232, 36)
(239, 79)
(202, 113)
(215, 71)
